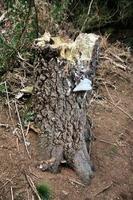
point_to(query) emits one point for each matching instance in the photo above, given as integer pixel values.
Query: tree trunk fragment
(64, 72)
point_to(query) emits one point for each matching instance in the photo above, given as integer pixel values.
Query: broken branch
(22, 131)
(32, 185)
(117, 106)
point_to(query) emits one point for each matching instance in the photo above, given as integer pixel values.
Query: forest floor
(111, 112)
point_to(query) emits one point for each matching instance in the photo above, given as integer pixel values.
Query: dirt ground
(111, 111)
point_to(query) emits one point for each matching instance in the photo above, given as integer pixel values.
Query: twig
(3, 16)
(8, 103)
(22, 131)
(104, 189)
(89, 9)
(8, 100)
(27, 130)
(22, 59)
(4, 125)
(33, 173)
(32, 185)
(16, 132)
(123, 67)
(117, 57)
(32, 198)
(108, 92)
(2, 83)
(104, 141)
(12, 197)
(77, 182)
(28, 196)
(122, 110)
(36, 18)
(8, 181)
(117, 106)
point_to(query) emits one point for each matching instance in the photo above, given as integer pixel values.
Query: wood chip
(104, 189)
(76, 182)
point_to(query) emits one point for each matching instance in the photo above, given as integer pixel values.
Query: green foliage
(59, 10)
(28, 117)
(112, 151)
(102, 12)
(44, 191)
(2, 89)
(18, 33)
(19, 30)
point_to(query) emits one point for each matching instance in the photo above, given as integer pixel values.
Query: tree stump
(64, 71)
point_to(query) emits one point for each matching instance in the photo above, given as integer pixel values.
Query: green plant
(2, 88)
(59, 10)
(101, 12)
(113, 151)
(18, 33)
(44, 191)
(28, 117)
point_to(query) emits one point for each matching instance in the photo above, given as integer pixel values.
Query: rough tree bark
(61, 96)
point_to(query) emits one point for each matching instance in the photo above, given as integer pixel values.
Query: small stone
(27, 143)
(43, 167)
(65, 193)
